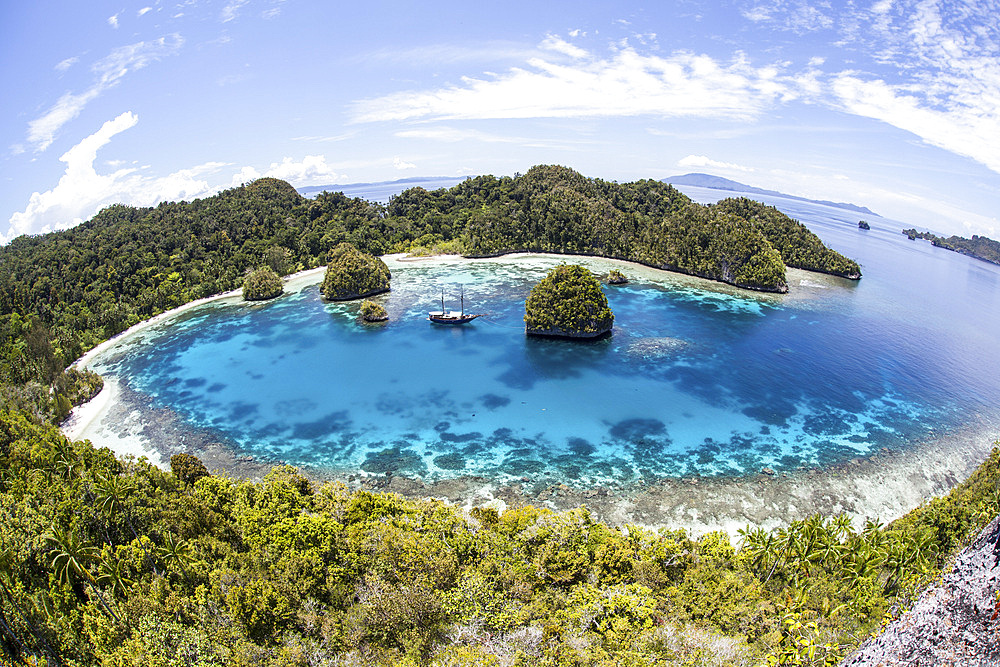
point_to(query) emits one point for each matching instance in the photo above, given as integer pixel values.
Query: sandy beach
(885, 485)
(92, 420)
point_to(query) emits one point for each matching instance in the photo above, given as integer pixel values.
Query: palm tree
(177, 550)
(69, 557)
(112, 575)
(111, 491)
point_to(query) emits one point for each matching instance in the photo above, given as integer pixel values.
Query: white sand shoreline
(86, 419)
(864, 489)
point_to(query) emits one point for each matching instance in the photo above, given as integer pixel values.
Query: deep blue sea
(696, 378)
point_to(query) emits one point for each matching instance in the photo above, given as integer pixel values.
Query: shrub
(187, 468)
(616, 277)
(373, 312)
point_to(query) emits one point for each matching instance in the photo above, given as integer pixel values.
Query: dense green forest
(115, 562)
(979, 247)
(105, 561)
(568, 302)
(62, 293)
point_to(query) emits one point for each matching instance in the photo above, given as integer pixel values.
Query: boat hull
(451, 319)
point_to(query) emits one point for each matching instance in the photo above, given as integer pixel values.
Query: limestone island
(568, 303)
(262, 284)
(352, 274)
(616, 277)
(372, 313)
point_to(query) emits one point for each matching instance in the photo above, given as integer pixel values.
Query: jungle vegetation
(262, 284)
(114, 562)
(352, 274)
(108, 561)
(568, 302)
(979, 247)
(615, 277)
(63, 293)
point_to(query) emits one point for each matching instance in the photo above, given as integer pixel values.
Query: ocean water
(697, 378)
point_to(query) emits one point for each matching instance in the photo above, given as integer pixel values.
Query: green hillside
(63, 293)
(116, 562)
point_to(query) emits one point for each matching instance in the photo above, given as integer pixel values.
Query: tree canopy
(568, 302)
(352, 274)
(262, 284)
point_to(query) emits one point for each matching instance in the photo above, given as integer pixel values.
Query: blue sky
(892, 104)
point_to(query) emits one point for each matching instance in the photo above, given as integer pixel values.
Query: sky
(889, 104)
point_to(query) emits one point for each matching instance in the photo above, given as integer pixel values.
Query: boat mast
(463, 300)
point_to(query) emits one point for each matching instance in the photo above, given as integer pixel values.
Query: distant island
(386, 188)
(979, 247)
(719, 183)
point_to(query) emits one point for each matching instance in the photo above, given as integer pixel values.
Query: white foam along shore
(85, 421)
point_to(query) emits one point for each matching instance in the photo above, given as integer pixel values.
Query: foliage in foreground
(116, 562)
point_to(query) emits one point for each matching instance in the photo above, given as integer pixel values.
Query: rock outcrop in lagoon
(262, 284)
(372, 313)
(568, 303)
(616, 277)
(352, 274)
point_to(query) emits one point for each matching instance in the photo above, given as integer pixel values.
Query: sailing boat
(451, 316)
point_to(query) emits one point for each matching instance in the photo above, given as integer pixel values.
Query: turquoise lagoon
(697, 378)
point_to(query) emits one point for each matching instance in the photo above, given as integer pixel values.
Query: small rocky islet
(568, 303)
(352, 274)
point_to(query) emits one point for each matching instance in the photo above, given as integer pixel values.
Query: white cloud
(800, 16)
(232, 10)
(64, 65)
(703, 161)
(559, 45)
(401, 164)
(144, 10)
(82, 191)
(310, 170)
(626, 84)
(970, 130)
(109, 71)
(113, 20)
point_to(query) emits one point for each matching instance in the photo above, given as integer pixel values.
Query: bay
(697, 379)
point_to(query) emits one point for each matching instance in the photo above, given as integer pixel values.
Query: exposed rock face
(568, 303)
(952, 622)
(352, 274)
(863, 225)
